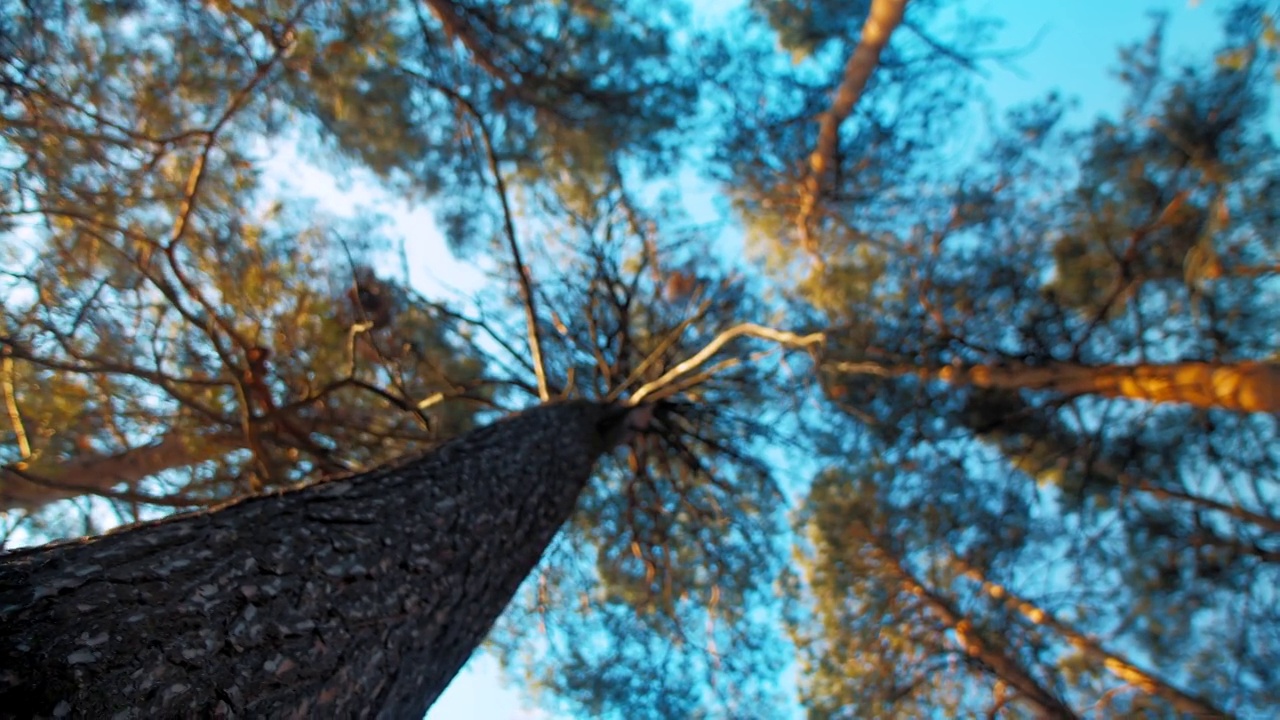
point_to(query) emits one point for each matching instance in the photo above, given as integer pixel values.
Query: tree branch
(11, 404)
(524, 279)
(749, 329)
(1002, 663)
(33, 484)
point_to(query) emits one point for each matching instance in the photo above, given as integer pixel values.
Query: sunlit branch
(39, 483)
(209, 322)
(186, 208)
(782, 337)
(1247, 386)
(196, 174)
(189, 192)
(670, 339)
(11, 405)
(693, 381)
(93, 473)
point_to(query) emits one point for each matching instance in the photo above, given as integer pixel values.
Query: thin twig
(509, 230)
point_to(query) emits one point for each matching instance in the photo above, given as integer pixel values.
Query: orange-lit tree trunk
(1115, 663)
(354, 596)
(1003, 666)
(1244, 386)
(883, 18)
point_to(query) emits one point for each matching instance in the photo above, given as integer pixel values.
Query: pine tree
(352, 595)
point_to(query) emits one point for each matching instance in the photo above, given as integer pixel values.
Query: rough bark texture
(353, 597)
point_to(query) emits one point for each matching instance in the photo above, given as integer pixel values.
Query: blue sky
(1070, 46)
(1077, 42)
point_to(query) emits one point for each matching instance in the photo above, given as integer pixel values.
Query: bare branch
(748, 329)
(667, 342)
(458, 26)
(11, 404)
(1002, 663)
(525, 280)
(33, 484)
(1115, 662)
(178, 500)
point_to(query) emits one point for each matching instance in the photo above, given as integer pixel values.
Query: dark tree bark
(359, 596)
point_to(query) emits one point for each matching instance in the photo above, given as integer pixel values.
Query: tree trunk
(1002, 664)
(883, 17)
(1114, 662)
(1244, 387)
(358, 596)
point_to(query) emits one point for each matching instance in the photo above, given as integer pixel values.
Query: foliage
(914, 104)
(190, 320)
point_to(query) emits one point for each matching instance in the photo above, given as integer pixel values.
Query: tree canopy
(990, 428)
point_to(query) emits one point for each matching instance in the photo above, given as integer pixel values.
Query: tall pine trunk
(359, 596)
(1246, 386)
(998, 660)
